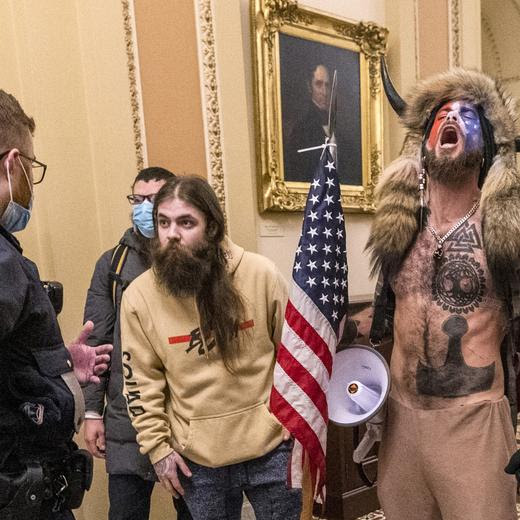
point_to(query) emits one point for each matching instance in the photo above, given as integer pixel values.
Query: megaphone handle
(360, 468)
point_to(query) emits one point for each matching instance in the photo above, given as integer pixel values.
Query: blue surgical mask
(142, 216)
(15, 217)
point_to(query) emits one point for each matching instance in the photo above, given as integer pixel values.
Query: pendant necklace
(440, 240)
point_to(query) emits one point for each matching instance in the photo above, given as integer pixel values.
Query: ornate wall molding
(134, 83)
(209, 86)
(455, 33)
(493, 48)
(502, 61)
(416, 37)
(516, 7)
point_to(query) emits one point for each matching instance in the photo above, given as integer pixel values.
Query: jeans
(217, 493)
(130, 495)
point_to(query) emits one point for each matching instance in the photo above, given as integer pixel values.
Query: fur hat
(396, 225)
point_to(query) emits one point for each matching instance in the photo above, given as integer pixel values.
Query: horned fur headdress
(396, 222)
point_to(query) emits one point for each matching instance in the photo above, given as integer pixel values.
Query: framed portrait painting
(296, 53)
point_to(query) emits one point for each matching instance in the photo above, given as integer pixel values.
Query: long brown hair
(220, 305)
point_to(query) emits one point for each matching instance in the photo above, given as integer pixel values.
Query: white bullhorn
(358, 389)
(359, 385)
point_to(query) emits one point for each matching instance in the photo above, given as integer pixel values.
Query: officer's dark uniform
(36, 406)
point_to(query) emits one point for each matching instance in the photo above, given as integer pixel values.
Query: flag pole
(314, 320)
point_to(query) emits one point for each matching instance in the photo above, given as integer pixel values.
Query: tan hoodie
(180, 395)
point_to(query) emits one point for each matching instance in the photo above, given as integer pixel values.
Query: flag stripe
(302, 431)
(300, 403)
(297, 372)
(306, 332)
(312, 314)
(295, 470)
(306, 356)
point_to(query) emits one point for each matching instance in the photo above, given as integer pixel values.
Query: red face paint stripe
(247, 324)
(178, 339)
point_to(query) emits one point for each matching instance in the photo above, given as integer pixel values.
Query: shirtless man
(447, 273)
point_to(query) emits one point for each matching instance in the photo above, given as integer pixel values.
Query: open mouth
(449, 137)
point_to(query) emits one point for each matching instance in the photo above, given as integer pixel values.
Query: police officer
(42, 473)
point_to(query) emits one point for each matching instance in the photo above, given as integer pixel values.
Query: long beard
(450, 171)
(181, 271)
(202, 273)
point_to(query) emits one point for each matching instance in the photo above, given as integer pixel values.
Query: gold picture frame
(287, 40)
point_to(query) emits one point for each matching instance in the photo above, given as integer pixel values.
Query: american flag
(314, 319)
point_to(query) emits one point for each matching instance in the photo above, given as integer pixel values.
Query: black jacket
(122, 450)
(32, 359)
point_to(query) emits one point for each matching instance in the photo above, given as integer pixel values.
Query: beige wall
(233, 54)
(433, 36)
(67, 64)
(70, 74)
(448, 34)
(167, 44)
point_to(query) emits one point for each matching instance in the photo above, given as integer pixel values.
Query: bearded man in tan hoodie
(199, 337)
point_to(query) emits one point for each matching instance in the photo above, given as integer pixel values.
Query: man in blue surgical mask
(43, 475)
(108, 431)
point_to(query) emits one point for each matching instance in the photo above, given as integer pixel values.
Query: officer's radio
(54, 291)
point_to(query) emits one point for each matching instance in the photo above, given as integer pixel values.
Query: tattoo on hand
(165, 466)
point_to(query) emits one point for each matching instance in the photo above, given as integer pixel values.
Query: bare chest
(459, 282)
(449, 321)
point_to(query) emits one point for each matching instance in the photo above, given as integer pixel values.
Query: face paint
(456, 128)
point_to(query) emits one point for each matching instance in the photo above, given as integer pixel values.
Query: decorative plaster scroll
(416, 36)
(134, 83)
(516, 7)
(372, 41)
(211, 112)
(491, 41)
(455, 33)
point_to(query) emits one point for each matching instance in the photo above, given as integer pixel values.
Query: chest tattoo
(454, 378)
(458, 284)
(464, 240)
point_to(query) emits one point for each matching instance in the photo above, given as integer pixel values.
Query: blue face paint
(471, 121)
(463, 115)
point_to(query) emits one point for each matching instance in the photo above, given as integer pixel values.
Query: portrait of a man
(306, 72)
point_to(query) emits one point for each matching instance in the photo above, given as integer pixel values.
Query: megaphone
(359, 385)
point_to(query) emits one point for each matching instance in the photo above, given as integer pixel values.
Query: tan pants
(447, 464)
